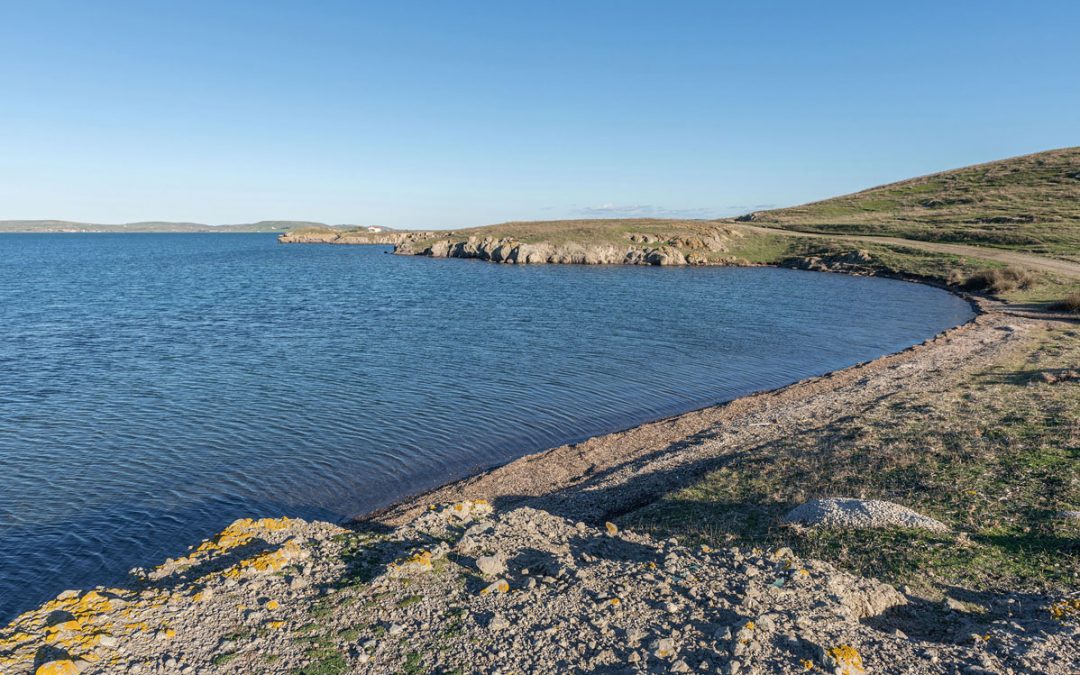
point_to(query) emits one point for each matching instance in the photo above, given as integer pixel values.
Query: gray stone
(860, 514)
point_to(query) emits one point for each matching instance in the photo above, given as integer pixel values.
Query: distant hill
(1029, 203)
(156, 226)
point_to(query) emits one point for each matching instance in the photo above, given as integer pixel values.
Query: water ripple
(155, 387)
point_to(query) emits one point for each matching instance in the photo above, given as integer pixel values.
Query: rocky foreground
(461, 589)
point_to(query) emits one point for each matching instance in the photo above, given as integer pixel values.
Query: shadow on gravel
(1033, 376)
(616, 550)
(539, 563)
(216, 563)
(585, 501)
(937, 622)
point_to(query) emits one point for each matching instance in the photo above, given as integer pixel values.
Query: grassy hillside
(1029, 203)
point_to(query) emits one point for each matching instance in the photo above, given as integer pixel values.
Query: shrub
(1070, 303)
(994, 280)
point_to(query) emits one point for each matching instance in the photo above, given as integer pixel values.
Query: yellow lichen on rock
(239, 533)
(80, 606)
(469, 509)
(1066, 609)
(844, 660)
(61, 667)
(500, 586)
(63, 627)
(268, 561)
(14, 640)
(72, 622)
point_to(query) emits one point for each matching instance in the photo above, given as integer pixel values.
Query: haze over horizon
(436, 115)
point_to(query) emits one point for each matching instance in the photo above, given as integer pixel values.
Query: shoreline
(843, 264)
(561, 479)
(568, 467)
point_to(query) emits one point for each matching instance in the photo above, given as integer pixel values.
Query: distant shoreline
(155, 227)
(267, 232)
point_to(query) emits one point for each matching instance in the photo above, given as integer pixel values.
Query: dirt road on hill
(1029, 260)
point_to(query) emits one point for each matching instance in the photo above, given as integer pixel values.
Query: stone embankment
(463, 589)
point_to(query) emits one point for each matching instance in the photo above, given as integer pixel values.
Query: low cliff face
(713, 246)
(852, 262)
(638, 250)
(684, 244)
(328, 236)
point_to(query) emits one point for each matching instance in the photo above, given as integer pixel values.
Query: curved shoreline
(489, 250)
(561, 479)
(610, 474)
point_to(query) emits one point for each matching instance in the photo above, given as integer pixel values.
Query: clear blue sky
(442, 114)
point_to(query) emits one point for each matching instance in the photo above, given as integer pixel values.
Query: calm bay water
(155, 387)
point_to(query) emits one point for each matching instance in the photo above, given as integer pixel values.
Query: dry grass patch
(1070, 303)
(996, 456)
(995, 281)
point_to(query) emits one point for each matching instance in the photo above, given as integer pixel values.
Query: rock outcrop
(639, 249)
(852, 262)
(464, 589)
(327, 236)
(510, 251)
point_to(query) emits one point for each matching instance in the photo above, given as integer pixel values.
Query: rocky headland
(638, 249)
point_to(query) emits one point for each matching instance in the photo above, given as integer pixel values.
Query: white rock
(860, 514)
(491, 565)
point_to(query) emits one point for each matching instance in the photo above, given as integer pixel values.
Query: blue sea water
(155, 387)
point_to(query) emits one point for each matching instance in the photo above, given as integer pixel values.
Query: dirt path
(606, 476)
(1029, 260)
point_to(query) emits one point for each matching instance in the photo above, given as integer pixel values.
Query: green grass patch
(410, 600)
(349, 634)
(414, 664)
(324, 661)
(1029, 203)
(995, 455)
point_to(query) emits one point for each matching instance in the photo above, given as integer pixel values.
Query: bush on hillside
(993, 281)
(1070, 303)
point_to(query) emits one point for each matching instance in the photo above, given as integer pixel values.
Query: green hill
(1029, 203)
